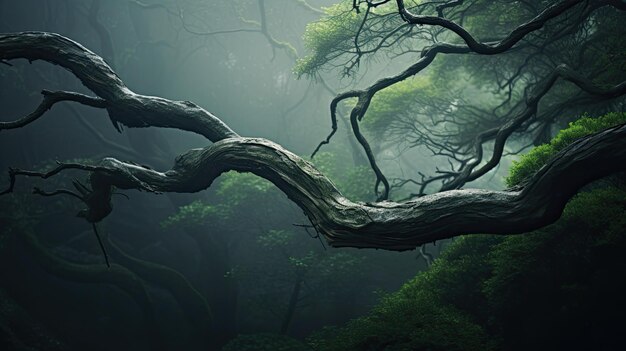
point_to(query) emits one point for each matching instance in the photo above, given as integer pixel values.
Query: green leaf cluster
(234, 190)
(196, 213)
(331, 34)
(397, 100)
(536, 158)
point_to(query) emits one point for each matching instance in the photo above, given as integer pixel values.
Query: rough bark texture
(387, 225)
(124, 106)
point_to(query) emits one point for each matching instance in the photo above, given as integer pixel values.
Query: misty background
(246, 263)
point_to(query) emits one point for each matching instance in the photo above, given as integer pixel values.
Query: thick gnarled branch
(124, 106)
(386, 225)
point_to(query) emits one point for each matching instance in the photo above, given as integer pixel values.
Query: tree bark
(386, 225)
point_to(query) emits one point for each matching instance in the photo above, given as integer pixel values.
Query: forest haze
(312, 174)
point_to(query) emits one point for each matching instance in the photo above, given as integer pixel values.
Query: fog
(239, 265)
(247, 83)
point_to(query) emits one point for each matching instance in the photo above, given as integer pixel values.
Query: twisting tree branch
(386, 225)
(468, 172)
(49, 99)
(488, 48)
(471, 45)
(123, 105)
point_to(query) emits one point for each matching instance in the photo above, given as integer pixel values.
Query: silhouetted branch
(49, 99)
(387, 225)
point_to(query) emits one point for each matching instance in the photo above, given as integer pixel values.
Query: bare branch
(49, 99)
(124, 106)
(428, 55)
(484, 48)
(502, 133)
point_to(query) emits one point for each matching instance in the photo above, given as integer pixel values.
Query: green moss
(530, 163)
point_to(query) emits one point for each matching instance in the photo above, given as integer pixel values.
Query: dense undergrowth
(556, 288)
(560, 287)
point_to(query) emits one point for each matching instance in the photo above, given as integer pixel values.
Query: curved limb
(485, 48)
(124, 106)
(49, 99)
(386, 225)
(14, 172)
(472, 45)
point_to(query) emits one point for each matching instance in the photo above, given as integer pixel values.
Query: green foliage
(421, 322)
(264, 342)
(519, 292)
(536, 158)
(397, 100)
(335, 31)
(196, 213)
(552, 281)
(496, 19)
(275, 238)
(236, 187)
(234, 190)
(421, 316)
(354, 182)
